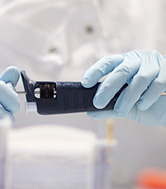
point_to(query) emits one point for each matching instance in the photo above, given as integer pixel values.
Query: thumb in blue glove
(145, 73)
(8, 98)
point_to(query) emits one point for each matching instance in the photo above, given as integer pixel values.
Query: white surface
(56, 156)
(50, 139)
(5, 124)
(50, 156)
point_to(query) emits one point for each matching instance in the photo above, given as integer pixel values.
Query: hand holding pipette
(8, 98)
(143, 99)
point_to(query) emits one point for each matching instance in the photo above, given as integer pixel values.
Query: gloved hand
(8, 98)
(141, 100)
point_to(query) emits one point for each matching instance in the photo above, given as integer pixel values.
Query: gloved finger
(11, 74)
(157, 87)
(100, 69)
(148, 71)
(8, 98)
(102, 114)
(4, 113)
(115, 80)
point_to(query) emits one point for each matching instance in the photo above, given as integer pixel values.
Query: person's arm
(145, 73)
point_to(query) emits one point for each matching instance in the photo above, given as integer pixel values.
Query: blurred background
(58, 40)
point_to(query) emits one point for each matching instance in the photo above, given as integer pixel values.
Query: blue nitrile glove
(145, 72)
(8, 98)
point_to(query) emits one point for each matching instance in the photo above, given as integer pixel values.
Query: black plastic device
(62, 97)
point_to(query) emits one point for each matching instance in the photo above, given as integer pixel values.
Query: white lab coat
(59, 40)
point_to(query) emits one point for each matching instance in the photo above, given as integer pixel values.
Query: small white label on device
(30, 107)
